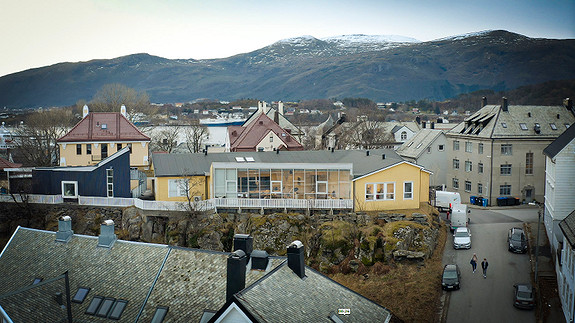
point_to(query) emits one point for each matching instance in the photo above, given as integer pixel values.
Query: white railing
(32, 198)
(105, 201)
(283, 203)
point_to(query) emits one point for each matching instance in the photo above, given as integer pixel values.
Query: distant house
(99, 135)
(262, 134)
(428, 149)
(565, 266)
(4, 182)
(109, 279)
(108, 178)
(278, 116)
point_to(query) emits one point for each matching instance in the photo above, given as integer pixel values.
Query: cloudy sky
(37, 33)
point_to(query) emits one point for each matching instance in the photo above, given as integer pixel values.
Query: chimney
(483, 101)
(236, 273)
(432, 125)
(383, 156)
(244, 242)
(423, 124)
(568, 103)
(64, 229)
(418, 120)
(296, 261)
(281, 107)
(277, 117)
(107, 237)
(85, 111)
(278, 151)
(504, 104)
(367, 152)
(260, 259)
(537, 128)
(123, 110)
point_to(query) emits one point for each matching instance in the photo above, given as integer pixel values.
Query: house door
(528, 194)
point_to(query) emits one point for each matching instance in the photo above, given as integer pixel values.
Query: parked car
(524, 296)
(462, 238)
(517, 240)
(451, 277)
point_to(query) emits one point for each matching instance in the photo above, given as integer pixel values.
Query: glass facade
(283, 181)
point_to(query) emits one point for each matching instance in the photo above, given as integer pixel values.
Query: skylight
(419, 145)
(504, 125)
(523, 126)
(553, 126)
(105, 307)
(94, 304)
(250, 159)
(409, 144)
(36, 280)
(118, 309)
(240, 159)
(160, 314)
(81, 295)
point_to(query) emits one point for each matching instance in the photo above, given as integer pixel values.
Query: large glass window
(380, 191)
(104, 151)
(178, 187)
(78, 149)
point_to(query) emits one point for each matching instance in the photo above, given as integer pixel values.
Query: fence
(283, 203)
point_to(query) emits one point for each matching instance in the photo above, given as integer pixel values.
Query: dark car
(517, 240)
(451, 277)
(523, 296)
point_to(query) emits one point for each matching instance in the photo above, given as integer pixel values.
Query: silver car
(462, 238)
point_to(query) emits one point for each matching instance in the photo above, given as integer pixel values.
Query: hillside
(378, 68)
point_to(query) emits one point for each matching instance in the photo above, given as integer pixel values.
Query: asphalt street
(489, 299)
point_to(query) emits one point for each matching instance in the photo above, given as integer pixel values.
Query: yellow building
(101, 134)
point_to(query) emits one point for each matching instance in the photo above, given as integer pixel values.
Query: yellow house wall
(397, 174)
(197, 188)
(138, 157)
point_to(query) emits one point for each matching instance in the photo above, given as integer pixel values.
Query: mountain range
(381, 68)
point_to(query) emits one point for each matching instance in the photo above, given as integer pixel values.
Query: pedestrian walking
(473, 262)
(484, 265)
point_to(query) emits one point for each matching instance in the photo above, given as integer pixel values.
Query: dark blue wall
(48, 181)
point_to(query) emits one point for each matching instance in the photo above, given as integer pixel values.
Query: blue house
(109, 178)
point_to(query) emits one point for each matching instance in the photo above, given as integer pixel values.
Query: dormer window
(104, 126)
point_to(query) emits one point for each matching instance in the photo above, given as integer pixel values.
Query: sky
(36, 33)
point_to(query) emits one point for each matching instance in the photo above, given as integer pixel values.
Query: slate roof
(412, 147)
(199, 164)
(282, 296)
(248, 137)
(561, 142)
(188, 282)
(493, 123)
(7, 164)
(92, 129)
(567, 225)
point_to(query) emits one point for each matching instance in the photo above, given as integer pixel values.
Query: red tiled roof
(7, 164)
(247, 138)
(104, 126)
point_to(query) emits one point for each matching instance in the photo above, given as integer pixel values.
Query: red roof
(7, 164)
(104, 126)
(247, 138)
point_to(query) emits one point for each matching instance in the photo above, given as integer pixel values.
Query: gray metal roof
(199, 164)
(558, 144)
(412, 147)
(567, 225)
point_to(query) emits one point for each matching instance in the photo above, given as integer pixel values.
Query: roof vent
(529, 114)
(483, 101)
(296, 260)
(367, 152)
(64, 229)
(260, 259)
(261, 122)
(504, 104)
(537, 128)
(383, 156)
(107, 236)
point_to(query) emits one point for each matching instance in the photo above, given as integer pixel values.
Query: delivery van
(459, 216)
(444, 199)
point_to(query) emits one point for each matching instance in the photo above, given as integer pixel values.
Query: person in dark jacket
(473, 262)
(484, 265)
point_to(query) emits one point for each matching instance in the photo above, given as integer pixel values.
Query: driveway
(491, 299)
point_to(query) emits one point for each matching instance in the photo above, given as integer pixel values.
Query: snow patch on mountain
(353, 40)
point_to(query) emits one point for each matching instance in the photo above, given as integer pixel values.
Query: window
(94, 305)
(504, 125)
(523, 126)
(110, 182)
(480, 168)
(456, 164)
(408, 190)
(130, 148)
(505, 189)
(468, 166)
(467, 186)
(177, 187)
(455, 182)
(69, 189)
(118, 309)
(379, 191)
(271, 138)
(505, 169)
(566, 125)
(89, 149)
(480, 148)
(529, 164)
(78, 149)
(456, 145)
(506, 149)
(160, 314)
(81, 295)
(118, 147)
(419, 145)
(104, 150)
(553, 126)
(440, 147)
(479, 188)
(409, 144)
(403, 135)
(468, 146)
(37, 280)
(105, 307)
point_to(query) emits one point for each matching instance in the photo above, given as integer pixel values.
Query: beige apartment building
(498, 151)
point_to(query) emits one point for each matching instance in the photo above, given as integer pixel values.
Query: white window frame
(479, 188)
(468, 146)
(456, 164)
(407, 195)
(480, 168)
(468, 166)
(75, 183)
(455, 145)
(507, 149)
(505, 169)
(468, 186)
(455, 183)
(110, 182)
(480, 148)
(379, 196)
(504, 187)
(179, 187)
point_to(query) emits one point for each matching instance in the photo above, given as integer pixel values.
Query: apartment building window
(480, 168)
(89, 149)
(529, 164)
(479, 188)
(467, 186)
(468, 166)
(505, 169)
(468, 146)
(455, 183)
(440, 147)
(505, 189)
(506, 149)
(456, 145)
(78, 149)
(480, 148)
(456, 164)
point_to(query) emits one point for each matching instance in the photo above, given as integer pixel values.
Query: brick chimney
(296, 259)
(107, 236)
(236, 273)
(65, 232)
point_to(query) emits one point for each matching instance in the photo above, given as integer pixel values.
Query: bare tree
(36, 139)
(364, 134)
(195, 135)
(165, 139)
(112, 96)
(194, 208)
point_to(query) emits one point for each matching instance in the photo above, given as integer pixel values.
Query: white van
(444, 199)
(459, 216)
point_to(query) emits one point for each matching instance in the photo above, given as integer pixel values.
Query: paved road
(491, 299)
